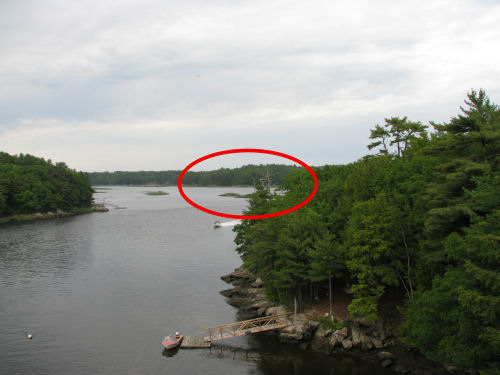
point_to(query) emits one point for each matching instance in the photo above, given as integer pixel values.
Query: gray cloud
(140, 81)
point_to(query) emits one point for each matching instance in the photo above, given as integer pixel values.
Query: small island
(235, 195)
(159, 192)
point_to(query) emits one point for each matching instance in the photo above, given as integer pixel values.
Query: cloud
(156, 75)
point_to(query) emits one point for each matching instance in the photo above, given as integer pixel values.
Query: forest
(29, 184)
(419, 218)
(247, 175)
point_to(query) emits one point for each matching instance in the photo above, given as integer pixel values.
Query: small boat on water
(217, 224)
(172, 341)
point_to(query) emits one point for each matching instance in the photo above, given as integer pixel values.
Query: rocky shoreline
(354, 337)
(50, 215)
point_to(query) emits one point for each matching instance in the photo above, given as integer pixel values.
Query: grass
(159, 192)
(327, 323)
(235, 195)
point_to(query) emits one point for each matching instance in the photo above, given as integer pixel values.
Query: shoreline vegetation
(235, 195)
(244, 176)
(33, 188)
(155, 193)
(25, 218)
(411, 232)
(314, 330)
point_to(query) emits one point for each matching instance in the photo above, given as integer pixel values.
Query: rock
(366, 342)
(401, 369)
(326, 315)
(261, 311)
(276, 310)
(385, 355)
(260, 305)
(229, 292)
(290, 337)
(258, 283)
(38, 215)
(344, 332)
(362, 322)
(356, 336)
(319, 342)
(378, 344)
(313, 324)
(328, 332)
(347, 344)
(452, 369)
(387, 362)
(336, 340)
(60, 212)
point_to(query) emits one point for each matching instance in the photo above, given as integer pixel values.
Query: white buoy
(29, 336)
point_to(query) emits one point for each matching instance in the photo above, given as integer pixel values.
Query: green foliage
(29, 184)
(327, 323)
(247, 175)
(421, 218)
(373, 253)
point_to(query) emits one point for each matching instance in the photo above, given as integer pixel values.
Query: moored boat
(172, 341)
(217, 224)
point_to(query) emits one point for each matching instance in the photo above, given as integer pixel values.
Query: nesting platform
(192, 342)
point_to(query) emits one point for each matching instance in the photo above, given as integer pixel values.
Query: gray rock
(452, 369)
(347, 344)
(336, 340)
(314, 324)
(378, 344)
(402, 369)
(258, 283)
(356, 336)
(344, 332)
(387, 362)
(385, 355)
(328, 332)
(366, 342)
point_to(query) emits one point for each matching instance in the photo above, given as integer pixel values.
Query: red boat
(172, 341)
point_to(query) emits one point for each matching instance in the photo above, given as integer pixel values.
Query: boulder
(366, 342)
(258, 283)
(385, 355)
(356, 336)
(319, 342)
(347, 344)
(314, 325)
(387, 362)
(260, 305)
(344, 332)
(377, 343)
(336, 340)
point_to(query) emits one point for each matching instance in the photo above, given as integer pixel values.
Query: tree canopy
(29, 184)
(421, 218)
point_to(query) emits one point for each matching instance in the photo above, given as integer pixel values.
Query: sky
(155, 84)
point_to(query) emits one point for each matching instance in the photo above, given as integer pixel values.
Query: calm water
(99, 291)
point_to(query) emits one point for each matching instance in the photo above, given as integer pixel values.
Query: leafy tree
(397, 132)
(373, 253)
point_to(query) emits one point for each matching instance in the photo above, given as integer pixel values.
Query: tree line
(30, 184)
(421, 219)
(246, 175)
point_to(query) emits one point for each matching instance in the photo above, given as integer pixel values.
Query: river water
(99, 291)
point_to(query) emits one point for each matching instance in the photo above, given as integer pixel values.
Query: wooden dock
(244, 327)
(226, 331)
(192, 342)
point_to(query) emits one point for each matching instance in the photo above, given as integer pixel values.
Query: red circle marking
(249, 150)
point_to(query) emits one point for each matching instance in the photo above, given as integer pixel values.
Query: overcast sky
(155, 84)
